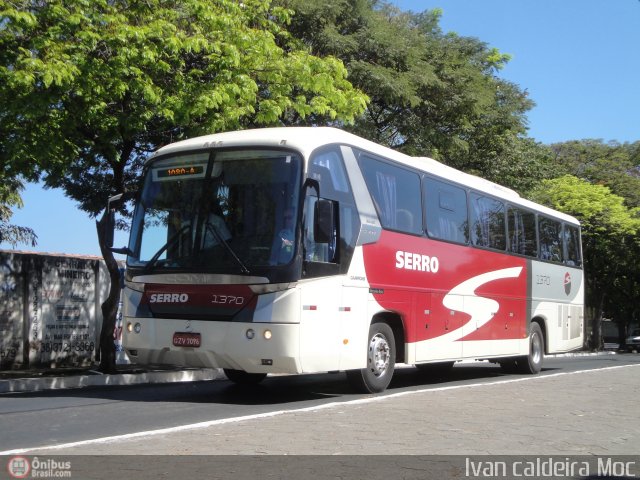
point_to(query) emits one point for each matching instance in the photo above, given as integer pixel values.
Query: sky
(579, 60)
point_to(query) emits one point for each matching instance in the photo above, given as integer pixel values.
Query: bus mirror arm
(110, 214)
(312, 183)
(110, 219)
(121, 251)
(114, 199)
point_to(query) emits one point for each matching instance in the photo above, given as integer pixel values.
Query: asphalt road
(32, 421)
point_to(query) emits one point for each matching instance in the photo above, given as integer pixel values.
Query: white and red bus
(299, 250)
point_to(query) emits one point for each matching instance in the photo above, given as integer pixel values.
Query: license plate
(186, 339)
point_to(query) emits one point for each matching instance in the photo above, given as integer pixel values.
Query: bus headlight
(267, 334)
(250, 333)
(134, 328)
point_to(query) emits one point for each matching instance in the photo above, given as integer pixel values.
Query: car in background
(633, 341)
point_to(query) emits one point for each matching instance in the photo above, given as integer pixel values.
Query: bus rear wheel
(381, 361)
(244, 378)
(532, 363)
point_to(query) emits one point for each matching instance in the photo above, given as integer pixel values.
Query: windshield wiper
(153, 260)
(210, 226)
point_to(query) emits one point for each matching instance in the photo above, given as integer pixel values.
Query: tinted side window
(396, 194)
(487, 222)
(521, 228)
(550, 234)
(446, 211)
(572, 246)
(327, 167)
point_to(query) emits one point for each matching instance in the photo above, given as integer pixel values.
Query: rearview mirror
(110, 224)
(109, 228)
(323, 221)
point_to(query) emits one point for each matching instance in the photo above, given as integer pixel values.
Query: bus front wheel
(381, 361)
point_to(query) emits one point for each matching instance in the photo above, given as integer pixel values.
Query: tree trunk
(597, 324)
(107, 350)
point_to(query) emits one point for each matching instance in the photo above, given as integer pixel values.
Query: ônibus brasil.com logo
(22, 467)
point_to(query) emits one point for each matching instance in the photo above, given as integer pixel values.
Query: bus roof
(307, 139)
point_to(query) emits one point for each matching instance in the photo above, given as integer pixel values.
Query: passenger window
(327, 168)
(487, 222)
(550, 233)
(521, 231)
(446, 211)
(395, 193)
(572, 246)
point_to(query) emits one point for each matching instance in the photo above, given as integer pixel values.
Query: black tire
(532, 363)
(244, 378)
(381, 361)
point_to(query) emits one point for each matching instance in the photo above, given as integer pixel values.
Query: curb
(96, 379)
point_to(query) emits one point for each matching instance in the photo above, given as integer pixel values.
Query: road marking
(360, 401)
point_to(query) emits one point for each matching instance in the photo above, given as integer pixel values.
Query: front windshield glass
(228, 211)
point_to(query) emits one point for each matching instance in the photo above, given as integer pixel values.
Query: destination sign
(186, 171)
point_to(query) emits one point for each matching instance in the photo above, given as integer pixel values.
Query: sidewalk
(34, 381)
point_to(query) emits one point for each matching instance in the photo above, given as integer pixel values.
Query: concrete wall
(50, 309)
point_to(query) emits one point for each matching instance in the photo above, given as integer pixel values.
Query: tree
(616, 166)
(612, 164)
(432, 94)
(90, 87)
(10, 197)
(609, 233)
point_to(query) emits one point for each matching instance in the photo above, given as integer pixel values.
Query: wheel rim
(536, 348)
(379, 354)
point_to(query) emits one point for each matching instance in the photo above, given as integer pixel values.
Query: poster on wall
(11, 310)
(62, 311)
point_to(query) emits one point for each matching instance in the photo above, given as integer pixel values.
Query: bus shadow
(279, 390)
(409, 378)
(288, 389)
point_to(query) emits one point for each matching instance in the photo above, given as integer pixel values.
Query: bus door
(320, 324)
(320, 330)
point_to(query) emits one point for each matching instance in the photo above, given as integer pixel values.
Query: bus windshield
(223, 212)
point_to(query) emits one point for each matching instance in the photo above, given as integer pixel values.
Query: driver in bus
(215, 227)
(284, 240)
